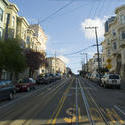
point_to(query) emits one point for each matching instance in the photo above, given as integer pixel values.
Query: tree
(1, 58)
(34, 60)
(12, 58)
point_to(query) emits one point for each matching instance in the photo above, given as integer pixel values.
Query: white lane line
(120, 110)
(26, 96)
(77, 119)
(86, 104)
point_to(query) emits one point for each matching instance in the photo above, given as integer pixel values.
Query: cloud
(90, 33)
(64, 59)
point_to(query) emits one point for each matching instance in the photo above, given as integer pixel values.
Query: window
(113, 77)
(114, 45)
(103, 59)
(108, 41)
(109, 52)
(1, 14)
(28, 39)
(6, 17)
(113, 32)
(1, 32)
(13, 21)
(123, 35)
(122, 19)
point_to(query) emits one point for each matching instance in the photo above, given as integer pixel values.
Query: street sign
(109, 60)
(109, 66)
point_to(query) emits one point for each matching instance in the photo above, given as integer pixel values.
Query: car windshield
(113, 77)
(1, 82)
(24, 81)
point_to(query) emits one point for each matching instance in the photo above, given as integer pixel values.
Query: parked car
(25, 84)
(52, 77)
(58, 76)
(40, 80)
(110, 80)
(7, 90)
(95, 77)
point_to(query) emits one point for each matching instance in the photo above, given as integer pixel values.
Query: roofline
(119, 8)
(15, 6)
(24, 19)
(6, 2)
(56, 58)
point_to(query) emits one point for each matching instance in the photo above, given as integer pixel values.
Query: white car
(110, 80)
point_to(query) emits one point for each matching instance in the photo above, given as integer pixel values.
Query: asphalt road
(71, 101)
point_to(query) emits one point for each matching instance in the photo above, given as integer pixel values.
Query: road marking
(98, 109)
(80, 117)
(77, 119)
(70, 112)
(30, 121)
(116, 107)
(109, 113)
(118, 117)
(63, 100)
(86, 104)
(59, 107)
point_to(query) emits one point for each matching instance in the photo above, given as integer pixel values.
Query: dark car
(47, 79)
(52, 77)
(40, 80)
(58, 77)
(7, 90)
(25, 84)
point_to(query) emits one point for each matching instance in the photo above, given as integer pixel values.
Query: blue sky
(65, 30)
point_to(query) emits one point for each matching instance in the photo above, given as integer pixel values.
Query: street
(73, 101)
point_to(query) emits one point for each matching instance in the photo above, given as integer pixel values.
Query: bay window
(1, 14)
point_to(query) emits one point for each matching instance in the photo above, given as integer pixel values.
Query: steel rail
(86, 104)
(98, 108)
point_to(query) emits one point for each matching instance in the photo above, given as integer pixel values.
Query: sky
(64, 23)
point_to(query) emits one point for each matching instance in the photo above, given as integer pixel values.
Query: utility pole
(55, 63)
(85, 66)
(86, 56)
(97, 44)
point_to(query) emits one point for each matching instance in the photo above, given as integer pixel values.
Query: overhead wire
(78, 51)
(55, 12)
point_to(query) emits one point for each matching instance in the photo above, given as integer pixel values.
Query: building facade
(56, 65)
(14, 26)
(92, 65)
(3, 6)
(114, 43)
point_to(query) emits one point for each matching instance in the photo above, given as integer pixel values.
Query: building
(39, 43)
(92, 65)
(22, 30)
(120, 30)
(3, 6)
(114, 43)
(10, 22)
(95, 62)
(40, 34)
(56, 65)
(14, 26)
